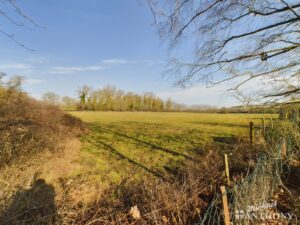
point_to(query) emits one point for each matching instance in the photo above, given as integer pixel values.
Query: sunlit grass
(135, 144)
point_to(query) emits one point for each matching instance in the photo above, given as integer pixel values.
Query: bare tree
(69, 103)
(11, 12)
(84, 94)
(51, 98)
(235, 40)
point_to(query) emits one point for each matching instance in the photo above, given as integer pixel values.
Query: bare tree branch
(290, 8)
(235, 40)
(12, 37)
(14, 21)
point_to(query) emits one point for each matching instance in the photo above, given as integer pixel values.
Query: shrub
(28, 126)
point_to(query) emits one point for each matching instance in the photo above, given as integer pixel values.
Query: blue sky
(97, 43)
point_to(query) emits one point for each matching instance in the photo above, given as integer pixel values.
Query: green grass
(137, 144)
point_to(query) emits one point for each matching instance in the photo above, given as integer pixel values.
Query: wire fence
(252, 199)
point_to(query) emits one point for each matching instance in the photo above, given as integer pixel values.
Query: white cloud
(104, 64)
(217, 95)
(116, 61)
(152, 62)
(200, 95)
(34, 65)
(76, 69)
(14, 66)
(33, 81)
(37, 60)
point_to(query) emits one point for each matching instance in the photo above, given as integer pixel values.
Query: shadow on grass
(149, 144)
(99, 143)
(145, 143)
(221, 124)
(226, 140)
(33, 206)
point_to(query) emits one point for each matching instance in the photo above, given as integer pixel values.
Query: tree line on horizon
(110, 98)
(114, 99)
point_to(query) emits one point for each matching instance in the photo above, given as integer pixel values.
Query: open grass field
(138, 144)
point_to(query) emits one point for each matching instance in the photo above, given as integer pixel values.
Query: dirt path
(62, 164)
(29, 189)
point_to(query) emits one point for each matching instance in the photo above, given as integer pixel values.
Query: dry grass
(32, 146)
(38, 192)
(159, 201)
(30, 190)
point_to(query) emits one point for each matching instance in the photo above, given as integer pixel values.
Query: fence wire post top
(227, 169)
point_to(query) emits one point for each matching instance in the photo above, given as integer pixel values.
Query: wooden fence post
(251, 133)
(226, 169)
(225, 206)
(283, 150)
(263, 126)
(271, 122)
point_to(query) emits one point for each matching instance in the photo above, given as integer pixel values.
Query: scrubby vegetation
(31, 133)
(29, 126)
(176, 199)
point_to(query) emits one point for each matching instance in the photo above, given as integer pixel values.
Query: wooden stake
(271, 122)
(251, 133)
(263, 126)
(225, 206)
(283, 150)
(226, 169)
